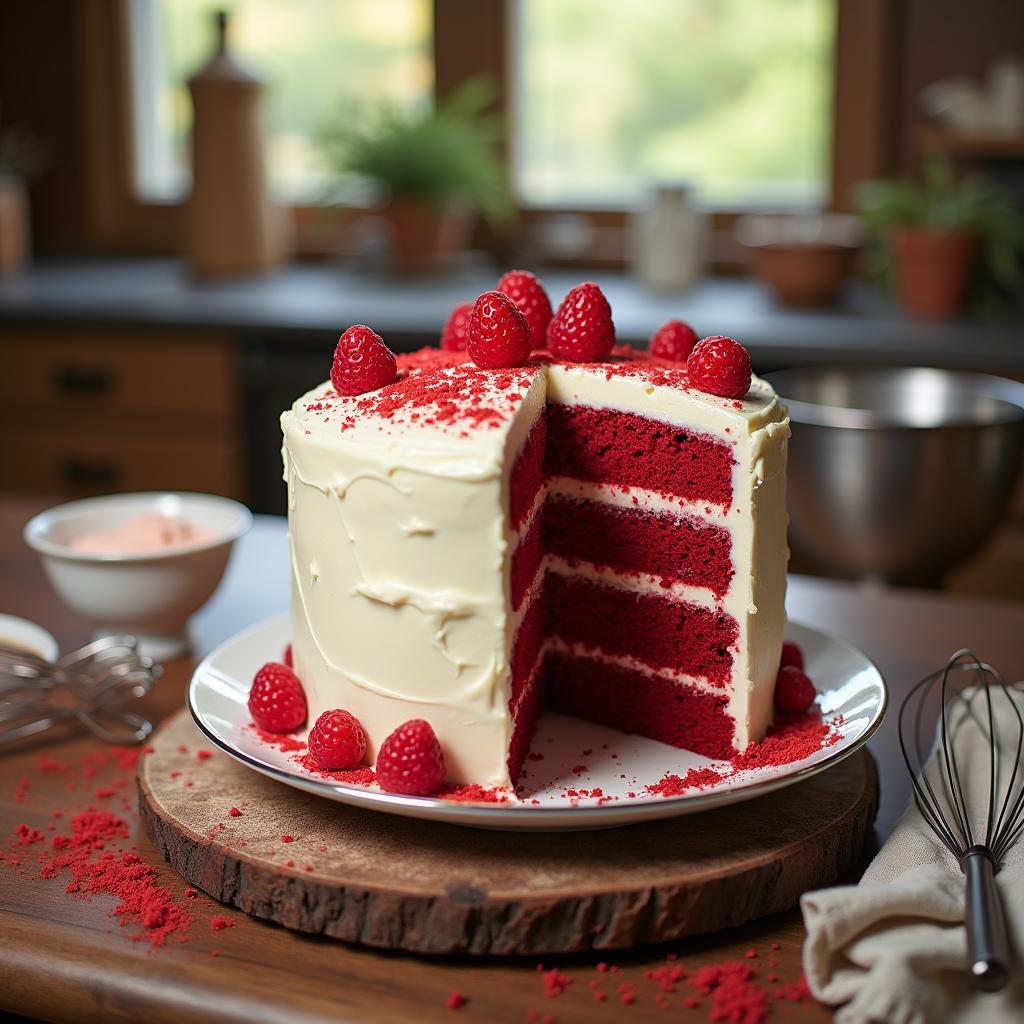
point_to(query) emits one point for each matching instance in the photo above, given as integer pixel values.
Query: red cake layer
(649, 627)
(680, 549)
(525, 723)
(527, 476)
(526, 646)
(607, 446)
(633, 702)
(526, 561)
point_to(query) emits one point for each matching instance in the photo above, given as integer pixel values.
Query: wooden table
(62, 959)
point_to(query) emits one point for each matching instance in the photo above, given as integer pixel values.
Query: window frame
(468, 39)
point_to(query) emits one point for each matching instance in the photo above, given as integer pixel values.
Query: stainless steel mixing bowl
(898, 474)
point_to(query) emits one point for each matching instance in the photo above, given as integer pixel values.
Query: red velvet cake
(471, 546)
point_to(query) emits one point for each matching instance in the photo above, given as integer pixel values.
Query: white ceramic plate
(576, 756)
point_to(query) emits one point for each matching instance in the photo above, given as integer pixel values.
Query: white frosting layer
(401, 545)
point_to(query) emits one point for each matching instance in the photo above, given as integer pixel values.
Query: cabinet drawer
(62, 464)
(155, 376)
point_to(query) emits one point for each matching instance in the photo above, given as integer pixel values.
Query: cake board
(427, 887)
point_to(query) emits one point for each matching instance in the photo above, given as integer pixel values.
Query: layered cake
(472, 544)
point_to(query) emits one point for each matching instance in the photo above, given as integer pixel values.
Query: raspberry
(498, 333)
(411, 760)
(532, 301)
(791, 655)
(277, 701)
(362, 362)
(794, 692)
(673, 340)
(288, 660)
(453, 337)
(582, 329)
(720, 366)
(337, 740)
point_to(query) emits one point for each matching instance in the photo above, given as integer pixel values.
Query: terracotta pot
(933, 270)
(803, 275)
(803, 258)
(424, 236)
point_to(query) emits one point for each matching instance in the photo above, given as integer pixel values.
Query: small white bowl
(24, 635)
(151, 596)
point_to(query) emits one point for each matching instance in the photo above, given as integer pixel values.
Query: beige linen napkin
(893, 949)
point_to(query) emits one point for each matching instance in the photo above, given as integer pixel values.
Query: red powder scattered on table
(95, 870)
(90, 857)
(735, 998)
(555, 983)
(204, 755)
(235, 812)
(456, 1000)
(220, 922)
(27, 836)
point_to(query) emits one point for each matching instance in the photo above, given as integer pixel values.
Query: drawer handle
(84, 380)
(87, 473)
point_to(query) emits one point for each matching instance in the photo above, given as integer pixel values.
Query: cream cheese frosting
(400, 539)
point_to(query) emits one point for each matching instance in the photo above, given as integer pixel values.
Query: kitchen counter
(307, 303)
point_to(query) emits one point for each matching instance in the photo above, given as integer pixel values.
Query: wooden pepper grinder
(234, 227)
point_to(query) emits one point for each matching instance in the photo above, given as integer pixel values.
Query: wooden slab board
(398, 883)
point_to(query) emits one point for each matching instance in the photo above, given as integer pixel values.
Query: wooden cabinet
(89, 413)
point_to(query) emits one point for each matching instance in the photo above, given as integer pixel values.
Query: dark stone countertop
(313, 302)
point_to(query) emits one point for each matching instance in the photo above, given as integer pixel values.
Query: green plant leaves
(944, 204)
(449, 155)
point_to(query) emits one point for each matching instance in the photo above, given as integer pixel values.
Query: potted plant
(20, 159)
(943, 236)
(432, 171)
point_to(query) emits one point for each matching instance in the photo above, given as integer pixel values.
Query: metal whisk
(970, 695)
(91, 685)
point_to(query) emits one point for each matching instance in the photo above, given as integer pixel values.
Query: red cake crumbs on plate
(281, 741)
(361, 775)
(789, 740)
(474, 793)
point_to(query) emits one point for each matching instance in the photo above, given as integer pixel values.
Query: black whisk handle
(988, 950)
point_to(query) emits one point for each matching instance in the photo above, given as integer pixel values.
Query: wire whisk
(90, 685)
(976, 811)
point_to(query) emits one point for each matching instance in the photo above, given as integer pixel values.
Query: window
(611, 96)
(314, 56)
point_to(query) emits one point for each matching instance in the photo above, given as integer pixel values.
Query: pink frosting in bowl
(148, 533)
